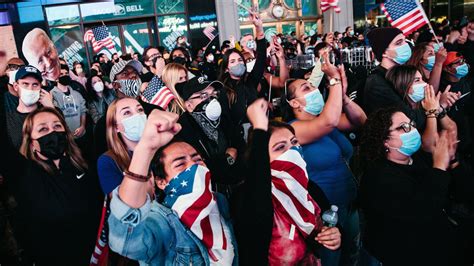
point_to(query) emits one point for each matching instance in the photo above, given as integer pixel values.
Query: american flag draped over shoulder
(407, 15)
(327, 4)
(100, 37)
(189, 195)
(210, 32)
(156, 93)
(290, 195)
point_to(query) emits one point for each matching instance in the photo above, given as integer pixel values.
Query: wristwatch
(334, 81)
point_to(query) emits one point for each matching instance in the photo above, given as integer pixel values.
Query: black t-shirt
(15, 122)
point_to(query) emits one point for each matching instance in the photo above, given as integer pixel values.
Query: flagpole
(429, 23)
(331, 19)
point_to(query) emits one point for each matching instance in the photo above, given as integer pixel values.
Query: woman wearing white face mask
(125, 122)
(318, 127)
(416, 94)
(99, 97)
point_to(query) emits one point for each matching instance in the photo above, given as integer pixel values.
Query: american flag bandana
(130, 87)
(189, 196)
(100, 256)
(156, 93)
(290, 195)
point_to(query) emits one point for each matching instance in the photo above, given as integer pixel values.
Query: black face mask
(180, 60)
(53, 144)
(65, 80)
(117, 60)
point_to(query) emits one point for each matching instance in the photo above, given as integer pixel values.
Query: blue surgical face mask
(418, 92)
(237, 70)
(314, 102)
(431, 62)
(403, 54)
(461, 71)
(411, 142)
(134, 126)
(437, 46)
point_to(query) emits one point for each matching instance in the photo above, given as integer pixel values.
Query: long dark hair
(224, 76)
(417, 57)
(374, 134)
(402, 77)
(289, 93)
(72, 150)
(91, 93)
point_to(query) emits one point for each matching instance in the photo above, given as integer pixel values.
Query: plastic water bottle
(330, 216)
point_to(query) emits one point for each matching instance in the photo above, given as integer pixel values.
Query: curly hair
(375, 133)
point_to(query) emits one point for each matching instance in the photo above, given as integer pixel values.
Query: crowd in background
(230, 155)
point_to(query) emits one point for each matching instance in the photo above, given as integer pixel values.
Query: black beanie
(380, 39)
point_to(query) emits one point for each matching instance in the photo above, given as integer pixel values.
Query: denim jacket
(154, 235)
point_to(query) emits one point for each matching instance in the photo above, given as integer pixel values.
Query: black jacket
(255, 220)
(214, 153)
(379, 93)
(403, 205)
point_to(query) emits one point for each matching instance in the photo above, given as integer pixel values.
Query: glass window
(244, 14)
(120, 9)
(291, 3)
(263, 4)
(170, 28)
(60, 15)
(169, 6)
(114, 33)
(309, 8)
(248, 30)
(310, 28)
(288, 28)
(136, 37)
(68, 41)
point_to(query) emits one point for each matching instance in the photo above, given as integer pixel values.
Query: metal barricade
(358, 56)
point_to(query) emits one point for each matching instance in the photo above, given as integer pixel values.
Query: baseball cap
(28, 71)
(452, 57)
(120, 66)
(196, 84)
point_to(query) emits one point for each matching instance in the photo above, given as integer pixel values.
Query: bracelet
(442, 113)
(432, 112)
(136, 177)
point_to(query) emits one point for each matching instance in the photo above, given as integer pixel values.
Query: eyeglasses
(13, 67)
(407, 127)
(206, 95)
(154, 56)
(459, 62)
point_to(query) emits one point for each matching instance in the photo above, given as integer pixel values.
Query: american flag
(407, 15)
(156, 93)
(327, 4)
(189, 195)
(100, 256)
(100, 37)
(290, 192)
(210, 32)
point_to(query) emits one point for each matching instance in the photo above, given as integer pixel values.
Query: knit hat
(380, 39)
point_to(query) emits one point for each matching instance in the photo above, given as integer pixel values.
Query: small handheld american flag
(210, 32)
(327, 4)
(157, 93)
(99, 37)
(407, 15)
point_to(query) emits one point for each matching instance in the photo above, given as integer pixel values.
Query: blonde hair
(170, 77)
(72, 150)
(117, 148)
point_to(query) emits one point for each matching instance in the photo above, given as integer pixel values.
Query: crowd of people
(230, 155)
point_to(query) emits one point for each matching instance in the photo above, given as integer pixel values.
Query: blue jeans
(348, 253)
